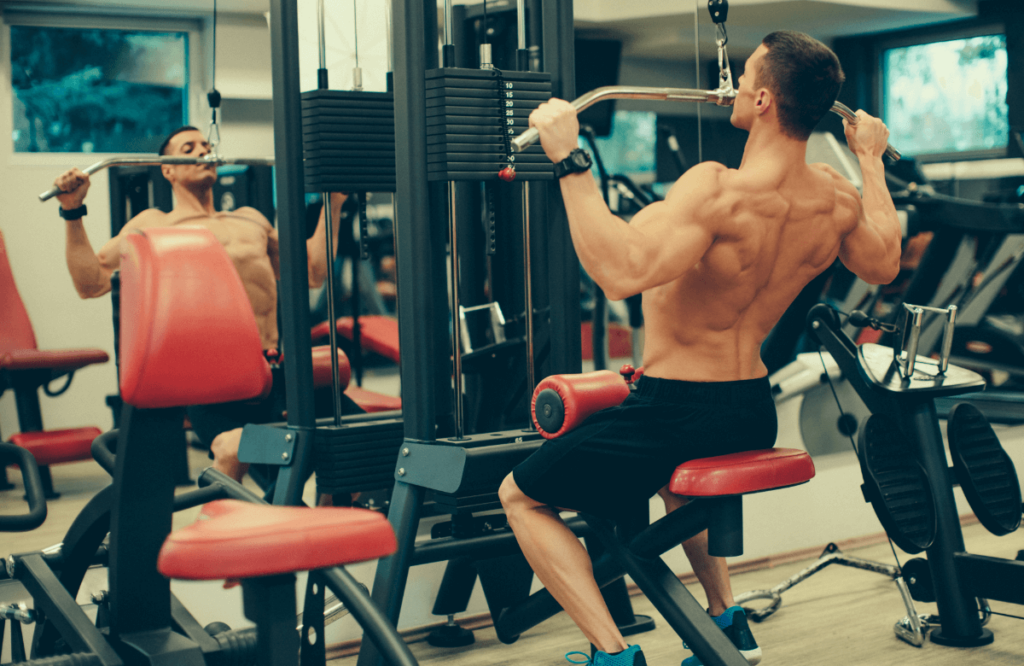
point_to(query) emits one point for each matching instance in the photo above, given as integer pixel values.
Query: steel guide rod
(332, 315)
(159, 160)
(456, 319)
(531, 380)
(721, 97)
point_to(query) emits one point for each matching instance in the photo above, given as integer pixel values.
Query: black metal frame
(958, 577)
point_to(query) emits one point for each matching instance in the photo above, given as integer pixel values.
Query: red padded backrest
(188, 333)
(15, 327)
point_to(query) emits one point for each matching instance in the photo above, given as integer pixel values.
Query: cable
(696, 51)
(355, 28)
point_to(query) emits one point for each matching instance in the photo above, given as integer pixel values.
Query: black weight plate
(342, 186)
(474, 176)
(354, 118)
(453, 86)
(347, 94)
(485, 74)
(346, 150)
(326, 105)
(487, 157)
(470, 96)
(495, 132)
(351, 158)
(345, 130)
(493, 111)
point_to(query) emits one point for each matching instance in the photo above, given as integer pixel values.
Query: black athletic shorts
(626, 454)
(208, 421)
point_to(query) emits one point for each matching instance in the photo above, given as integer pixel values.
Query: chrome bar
(521, 27)
(528, 286)
(947, 338)
(320, 33)
(914, 317)
(159, 160)
(456, 319)
(721, 97)
(332, 316)
(449, 30)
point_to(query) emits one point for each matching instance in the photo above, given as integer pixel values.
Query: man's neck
(197, 200)
(767, 144)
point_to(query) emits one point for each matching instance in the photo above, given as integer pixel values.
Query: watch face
(581, 160)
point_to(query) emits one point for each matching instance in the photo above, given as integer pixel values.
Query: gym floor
(839, 615)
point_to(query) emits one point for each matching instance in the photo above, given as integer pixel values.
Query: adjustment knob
(627, 371)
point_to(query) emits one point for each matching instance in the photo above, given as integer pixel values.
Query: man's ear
(762, 101)
(165, 169)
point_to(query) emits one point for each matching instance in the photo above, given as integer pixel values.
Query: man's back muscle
(774, 234)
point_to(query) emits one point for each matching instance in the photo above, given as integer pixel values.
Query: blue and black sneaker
(631, 656)
(734, 623)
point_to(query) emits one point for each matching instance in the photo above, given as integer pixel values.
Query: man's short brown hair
(167, 141)
(804, 76)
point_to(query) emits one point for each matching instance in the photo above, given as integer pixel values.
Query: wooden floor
(838, 616)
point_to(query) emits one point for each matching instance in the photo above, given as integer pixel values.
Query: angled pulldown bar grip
(719, 97)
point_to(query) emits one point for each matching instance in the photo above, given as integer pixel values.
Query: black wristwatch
(74, 213)
(578, 161)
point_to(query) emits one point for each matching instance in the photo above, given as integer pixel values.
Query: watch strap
(569, 165)
(74, 213)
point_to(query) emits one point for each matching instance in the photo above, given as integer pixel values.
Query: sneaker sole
(753, 657)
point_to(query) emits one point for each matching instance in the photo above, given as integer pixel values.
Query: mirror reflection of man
(250, 241)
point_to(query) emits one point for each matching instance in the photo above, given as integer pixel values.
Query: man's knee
(509, 493)
(225, 445)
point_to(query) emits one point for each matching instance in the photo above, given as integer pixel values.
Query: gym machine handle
(11, 453)
(721, 97)
(158, 160)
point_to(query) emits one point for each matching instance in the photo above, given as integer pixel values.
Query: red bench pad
(188, 333)
(234, 539)
(57, 446)
(64, 360)
(373, 402)
(377, 333)
(739, 473)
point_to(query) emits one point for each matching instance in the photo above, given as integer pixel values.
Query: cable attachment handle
(904, 348)
(724, 71)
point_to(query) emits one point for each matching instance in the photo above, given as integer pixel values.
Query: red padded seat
(188, 332)
(373, 402)
(58, 446)
(64, 360)
(741, 473)
(234, 539)
(377, 333)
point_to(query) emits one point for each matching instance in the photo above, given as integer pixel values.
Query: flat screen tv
(946, 98)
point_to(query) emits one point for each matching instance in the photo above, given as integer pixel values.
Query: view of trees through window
(110, 91)
(947, 97)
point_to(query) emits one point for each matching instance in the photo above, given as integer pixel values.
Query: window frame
(197, 70)
(938, 33)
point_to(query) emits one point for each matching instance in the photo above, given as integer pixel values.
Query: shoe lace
(586, 658)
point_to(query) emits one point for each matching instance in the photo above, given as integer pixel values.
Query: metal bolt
(547, 411)
(405, 451)
(912, 581)
(401, 471)
(288, 437)
(816, 325)
(284, 455)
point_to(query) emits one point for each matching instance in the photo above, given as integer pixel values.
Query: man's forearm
(597, 234)
(86, 272)
(878, 205)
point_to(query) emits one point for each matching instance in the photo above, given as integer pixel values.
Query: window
(947, 96)
(97, 90)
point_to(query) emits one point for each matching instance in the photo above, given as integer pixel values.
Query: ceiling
(656, 29)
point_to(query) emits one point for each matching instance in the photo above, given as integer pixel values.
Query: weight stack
(471, 116)
(348, 141)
